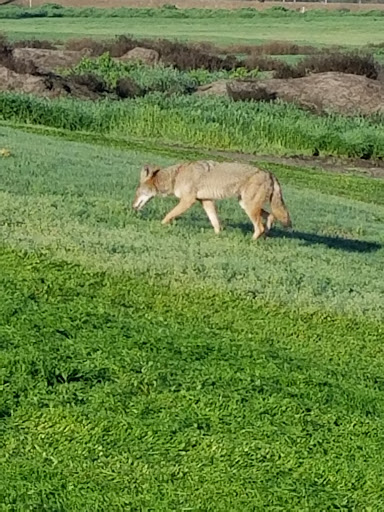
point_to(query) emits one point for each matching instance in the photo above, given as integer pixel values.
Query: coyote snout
(208, 181)
(141, 199)
(146, 189)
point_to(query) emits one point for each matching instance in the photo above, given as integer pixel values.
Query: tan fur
(207, 181)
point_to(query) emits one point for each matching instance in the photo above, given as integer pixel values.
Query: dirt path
(360, 167)
(369, 168)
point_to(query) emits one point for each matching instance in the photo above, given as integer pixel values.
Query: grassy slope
(176, 380)
(356, 30)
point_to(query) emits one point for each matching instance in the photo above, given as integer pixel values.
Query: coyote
(205, 181)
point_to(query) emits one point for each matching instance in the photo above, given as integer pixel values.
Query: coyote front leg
(180, 208)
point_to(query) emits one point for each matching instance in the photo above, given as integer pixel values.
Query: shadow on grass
(333, 242)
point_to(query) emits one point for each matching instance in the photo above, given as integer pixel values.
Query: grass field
(152, 368)
(346, 31)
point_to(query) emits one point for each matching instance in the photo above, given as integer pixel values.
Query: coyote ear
(149, 170)
(146, 170)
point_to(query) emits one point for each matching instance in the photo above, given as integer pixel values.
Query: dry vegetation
(205, 55)
(182, 56)
(353, 63)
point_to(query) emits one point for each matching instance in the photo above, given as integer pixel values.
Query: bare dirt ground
(205, 4)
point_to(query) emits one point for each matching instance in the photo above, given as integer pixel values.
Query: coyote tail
(279, 210)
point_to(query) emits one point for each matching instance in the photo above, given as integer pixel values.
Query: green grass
(350, 30)
(123, 394)
(206, 123)
(151, 368)
(74, 199)
(347, 184)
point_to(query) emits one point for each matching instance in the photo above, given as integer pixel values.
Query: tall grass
(206, 122)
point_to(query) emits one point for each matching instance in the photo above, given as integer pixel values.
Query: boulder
(49, 60)
(323, 92)
(49, 85)
(219, 88)
(144, 55)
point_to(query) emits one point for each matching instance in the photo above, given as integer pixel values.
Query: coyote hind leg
(269, 219)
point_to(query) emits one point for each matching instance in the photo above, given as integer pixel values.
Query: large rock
(219, 88)
(49, 60)
(323, 92)
(49, 85)
(11, 81)
(144, 55)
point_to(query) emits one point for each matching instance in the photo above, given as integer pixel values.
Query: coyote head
(146, 189)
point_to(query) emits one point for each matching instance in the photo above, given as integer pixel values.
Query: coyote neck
(164, 180)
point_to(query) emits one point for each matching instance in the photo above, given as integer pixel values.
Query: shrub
(95, 48)
(35, 43)
(8, 60)
(353, 62)
(91, 82)
(6, 56)
(149, 79)
(287, 71)
(182, 56)
(186, 57)
(283, 48)
(262, 63)
(127, 88)
(121, 45)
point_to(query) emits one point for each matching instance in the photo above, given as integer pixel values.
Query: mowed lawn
(345, 31)
(152, 368)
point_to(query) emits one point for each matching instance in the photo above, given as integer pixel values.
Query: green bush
(153, 79)
(149, 79)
